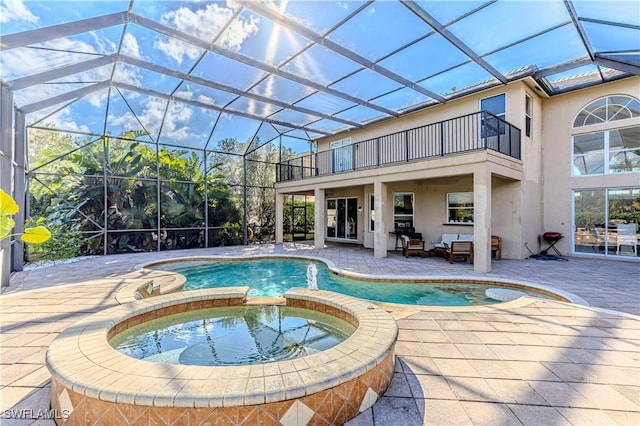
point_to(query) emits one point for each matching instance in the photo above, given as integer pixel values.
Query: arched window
(609, 108)
(616, 149)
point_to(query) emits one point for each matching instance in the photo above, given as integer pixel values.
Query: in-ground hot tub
(93, 382)
(233, 335)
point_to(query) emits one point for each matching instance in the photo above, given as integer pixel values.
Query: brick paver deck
(542, 363)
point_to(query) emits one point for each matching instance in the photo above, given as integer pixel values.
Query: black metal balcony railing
(473, 132)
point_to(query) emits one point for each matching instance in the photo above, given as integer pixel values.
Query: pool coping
(81, 359)
(173, 281)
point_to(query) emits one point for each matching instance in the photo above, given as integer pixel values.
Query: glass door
(590, 222)
(352, 219)
(342, 218)
(331, 218)
(342, 155)
(606, 221)
(342, 211)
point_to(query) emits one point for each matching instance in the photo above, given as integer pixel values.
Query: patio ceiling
(194, 73)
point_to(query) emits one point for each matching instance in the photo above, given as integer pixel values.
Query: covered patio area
(527, 362)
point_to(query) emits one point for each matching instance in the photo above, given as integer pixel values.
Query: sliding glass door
(342, 218)
(606, 221)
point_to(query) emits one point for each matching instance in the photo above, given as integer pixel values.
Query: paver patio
(536, 362)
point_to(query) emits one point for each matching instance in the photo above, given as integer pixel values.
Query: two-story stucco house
(510, 161)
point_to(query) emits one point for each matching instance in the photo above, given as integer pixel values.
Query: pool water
(233, 336)
(274, 276)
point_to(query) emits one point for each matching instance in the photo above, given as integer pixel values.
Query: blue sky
(375, 34)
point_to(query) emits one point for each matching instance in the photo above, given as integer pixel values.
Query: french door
(342, 218)
(342, 157)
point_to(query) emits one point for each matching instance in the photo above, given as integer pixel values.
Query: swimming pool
(273, 276)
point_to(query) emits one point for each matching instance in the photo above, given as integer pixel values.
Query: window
(403, 210)
(460, 207)
(624, 150)
(607, 109)
(528, 107)
(610, 151)
(372, 214)
(606, 221)
(497, 106)
(616, 150)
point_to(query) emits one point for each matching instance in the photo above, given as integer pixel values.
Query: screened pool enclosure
(157, 125)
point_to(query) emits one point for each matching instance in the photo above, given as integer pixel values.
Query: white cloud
(206, 99)
(174, 128)
(15, 10)
(60, 120)
(204, 24)
(19, 62)
(25, 61)
(186, 92)
(130, 46)
(104, 45)
(128, 74)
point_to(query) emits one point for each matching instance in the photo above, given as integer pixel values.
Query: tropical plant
(63, 244)
(119, 191)
(8, 208)
(296, 214)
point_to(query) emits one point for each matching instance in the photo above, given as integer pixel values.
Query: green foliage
(73, 194)
(64, 244)
(9, 207)
(294, 216)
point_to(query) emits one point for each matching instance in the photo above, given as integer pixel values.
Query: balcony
(479, 131)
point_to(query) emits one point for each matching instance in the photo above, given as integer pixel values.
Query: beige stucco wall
(514, 201)
(528, 197)
(557, 118)
(430, 210)
(451, 109)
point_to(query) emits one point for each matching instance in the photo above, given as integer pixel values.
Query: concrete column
(319, 213)
(279, 217)
(380, 236)
(482, 220)
(6, 172)
(20, 185)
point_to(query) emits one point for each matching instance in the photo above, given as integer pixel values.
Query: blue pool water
(238, 335)
(274, 276)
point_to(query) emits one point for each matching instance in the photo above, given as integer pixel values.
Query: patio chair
(460, 249)
(496, 246)
(627, 237)
(412, 246)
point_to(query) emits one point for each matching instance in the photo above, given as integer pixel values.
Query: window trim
(606, 152)
(589, 111)
(413, 210)
(528, 115)
(448, 208)
(502, 115)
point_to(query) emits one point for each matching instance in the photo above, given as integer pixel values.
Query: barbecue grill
(551, 238)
